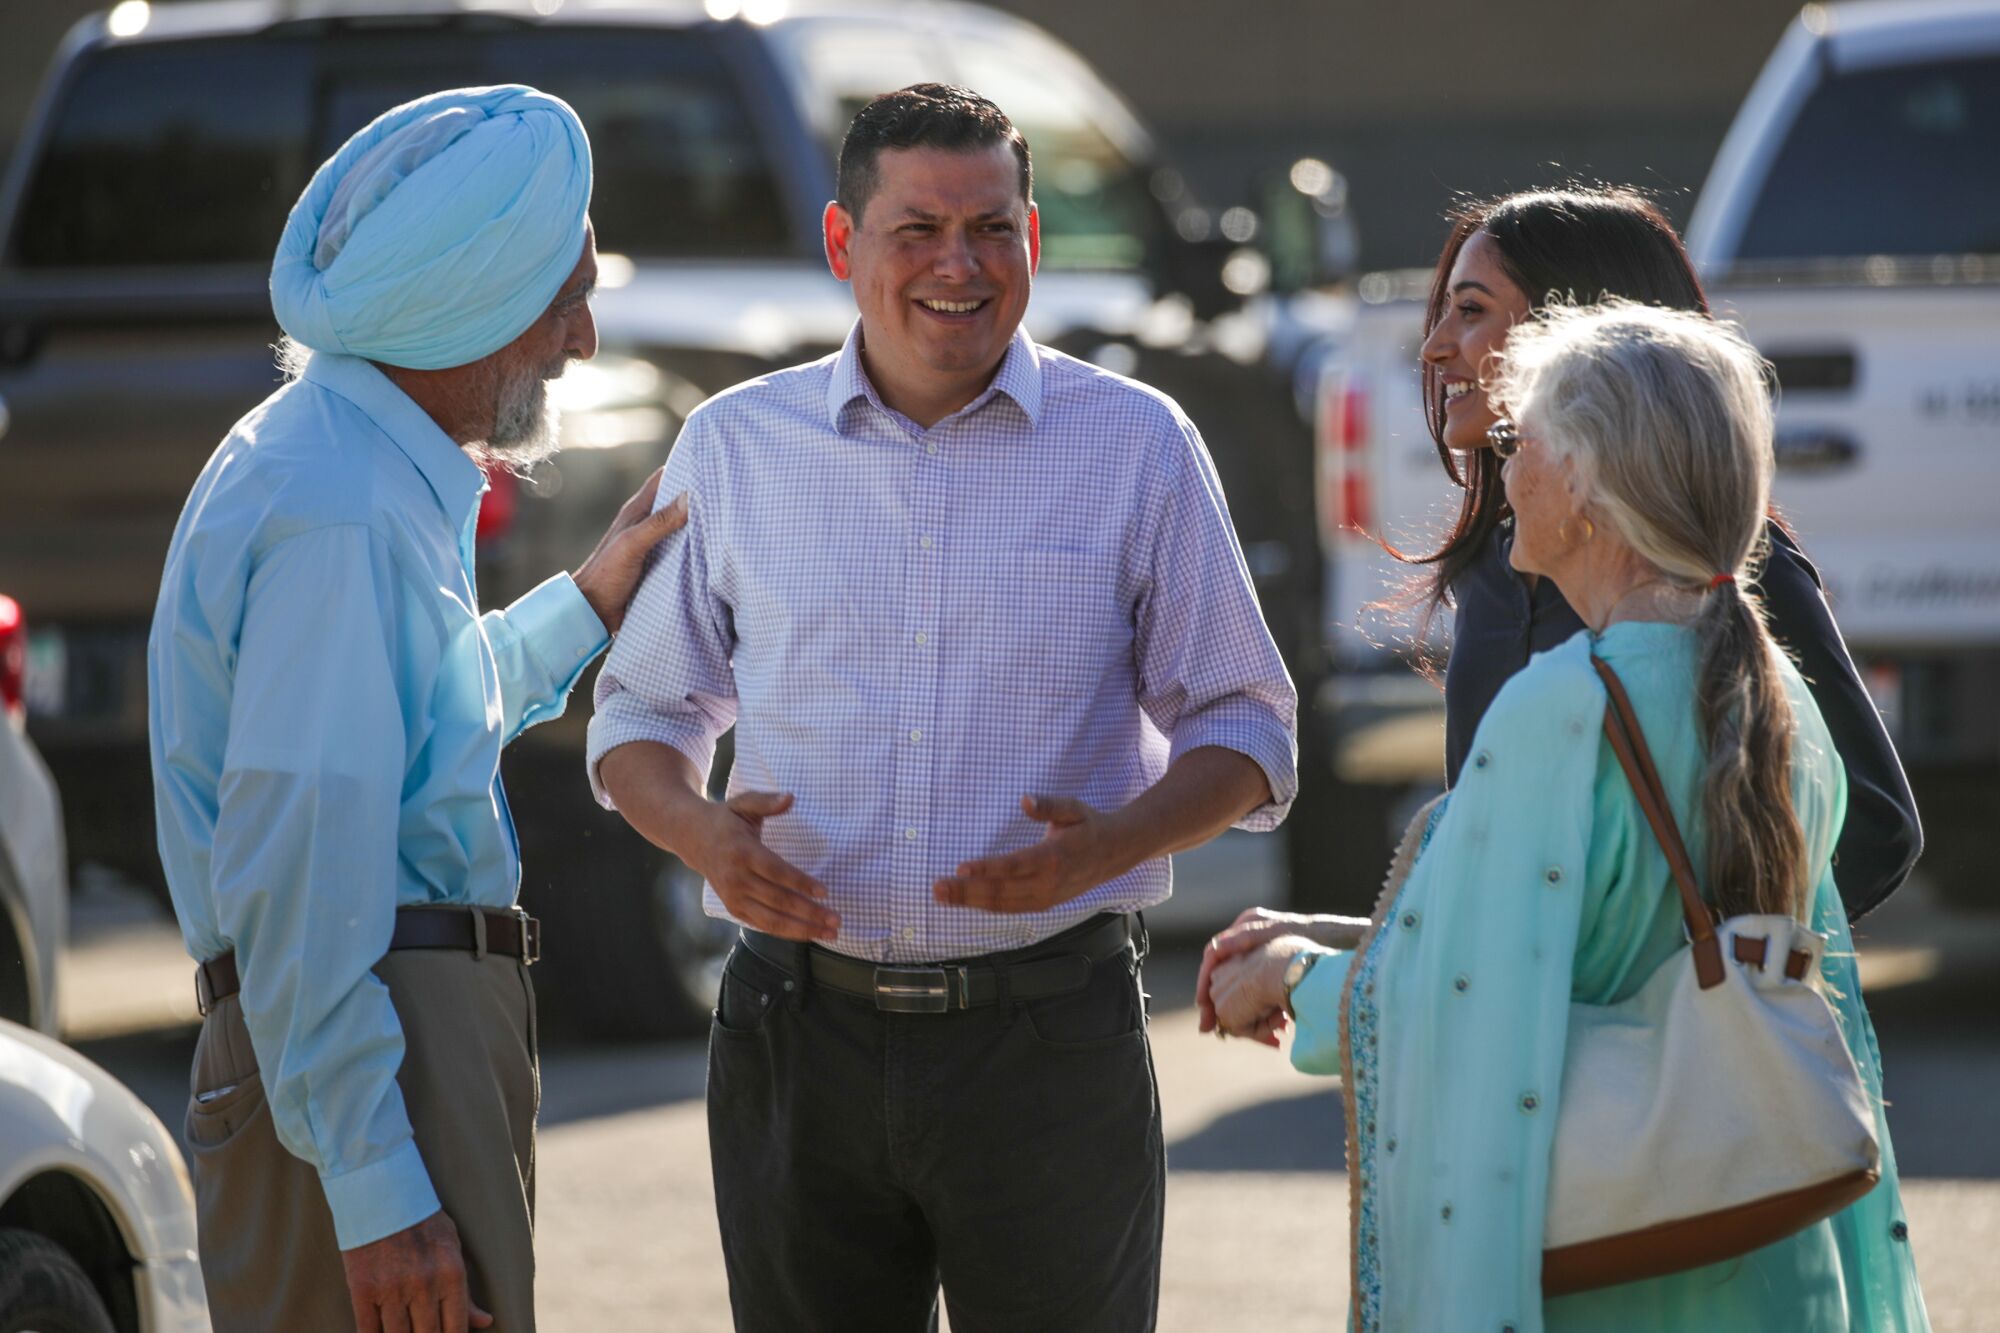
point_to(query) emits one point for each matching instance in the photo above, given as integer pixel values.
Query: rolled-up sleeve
(304, 867)
(1208, 671)
(667, 678)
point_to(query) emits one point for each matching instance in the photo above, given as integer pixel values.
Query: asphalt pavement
(1257, 1203)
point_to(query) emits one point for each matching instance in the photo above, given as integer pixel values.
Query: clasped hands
(1240, 991)
(1081, 847)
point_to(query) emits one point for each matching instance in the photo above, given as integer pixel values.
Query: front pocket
(1108, 1011)
(212, 1124)
(745, 999)
(1053, 623)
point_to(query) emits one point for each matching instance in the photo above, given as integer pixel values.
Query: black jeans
(1012, 1152)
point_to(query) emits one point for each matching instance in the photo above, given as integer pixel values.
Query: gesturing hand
(608, 577)
(1077, 852)
(761, 889)
(414, 1280)
(1256, 926)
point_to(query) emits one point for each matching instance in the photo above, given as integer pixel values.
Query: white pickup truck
(1851, 225)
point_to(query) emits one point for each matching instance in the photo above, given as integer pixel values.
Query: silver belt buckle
(912, 990)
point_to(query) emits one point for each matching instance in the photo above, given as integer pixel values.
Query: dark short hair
(923, 115)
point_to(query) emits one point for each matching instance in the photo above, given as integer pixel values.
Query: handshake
(1241, 989)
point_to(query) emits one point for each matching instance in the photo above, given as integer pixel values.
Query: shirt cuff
(556, 623)
(1254, 731)
(1316, 1014)
(380, 1199)
(610, 728)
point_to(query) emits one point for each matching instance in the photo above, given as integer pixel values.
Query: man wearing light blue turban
(328, 707)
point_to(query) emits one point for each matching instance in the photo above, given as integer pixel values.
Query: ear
(838, 227)
(1034, 238)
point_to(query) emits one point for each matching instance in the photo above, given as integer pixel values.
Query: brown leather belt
(511, 933)
(1057, 966)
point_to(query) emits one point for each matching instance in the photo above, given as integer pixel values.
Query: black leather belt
(511, 933)
(1057, 966)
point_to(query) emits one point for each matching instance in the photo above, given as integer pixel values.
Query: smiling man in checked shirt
(992, 653)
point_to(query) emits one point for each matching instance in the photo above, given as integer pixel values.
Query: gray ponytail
(1667, 419)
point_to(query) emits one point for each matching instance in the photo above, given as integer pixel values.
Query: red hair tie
(1721, 579)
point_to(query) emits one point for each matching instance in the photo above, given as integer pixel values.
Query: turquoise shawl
(1469, 972)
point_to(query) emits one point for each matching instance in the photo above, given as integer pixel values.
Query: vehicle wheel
(631, 954)
(1339, 854)
(1338, 844)
(1957, 808)
(44, 1290)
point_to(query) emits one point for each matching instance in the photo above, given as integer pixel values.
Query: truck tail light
(13, 655)
(1342, 461)
(496, 507)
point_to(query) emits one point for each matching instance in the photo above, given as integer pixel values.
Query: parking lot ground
(1257, 1204)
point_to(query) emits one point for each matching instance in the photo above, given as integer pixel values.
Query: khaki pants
(471, 1086)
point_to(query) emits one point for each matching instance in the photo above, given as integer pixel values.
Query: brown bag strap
(1628, 742)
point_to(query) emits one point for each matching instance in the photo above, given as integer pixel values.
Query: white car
(34, 878)
(97, 1222)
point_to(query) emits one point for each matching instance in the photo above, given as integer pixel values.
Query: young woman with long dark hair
(1504, 260)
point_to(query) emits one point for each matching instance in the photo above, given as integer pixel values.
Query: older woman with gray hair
(1639, 475)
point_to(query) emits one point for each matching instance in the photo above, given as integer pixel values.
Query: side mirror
(1307, 232)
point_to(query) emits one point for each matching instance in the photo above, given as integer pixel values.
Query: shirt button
(910, 834)
(909, 932)
(922, 638)
(582, 653)
(916, 735)
(925, 541)
(930, 448)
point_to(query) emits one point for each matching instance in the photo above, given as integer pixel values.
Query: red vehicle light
(1346, 491)
(13, 654)
(496, 507)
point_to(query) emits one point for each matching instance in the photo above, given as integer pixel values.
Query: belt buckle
(531, 937)
(912, 990)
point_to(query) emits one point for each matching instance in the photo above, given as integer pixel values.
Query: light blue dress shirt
(327, 708)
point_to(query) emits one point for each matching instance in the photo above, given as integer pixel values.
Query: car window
(1096, 209)
(175, 153)
(1902, 161)
(679, 169)
(192, 152)
(845, 65)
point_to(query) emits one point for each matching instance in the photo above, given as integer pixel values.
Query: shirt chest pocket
(1054, 622)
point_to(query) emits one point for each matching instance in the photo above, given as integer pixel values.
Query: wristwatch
(1295, 972)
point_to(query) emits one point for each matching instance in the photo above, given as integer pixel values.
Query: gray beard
(525, 427)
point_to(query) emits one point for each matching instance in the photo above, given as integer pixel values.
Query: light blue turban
(438, 233)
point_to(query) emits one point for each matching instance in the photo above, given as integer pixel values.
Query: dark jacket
(1499, 623)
